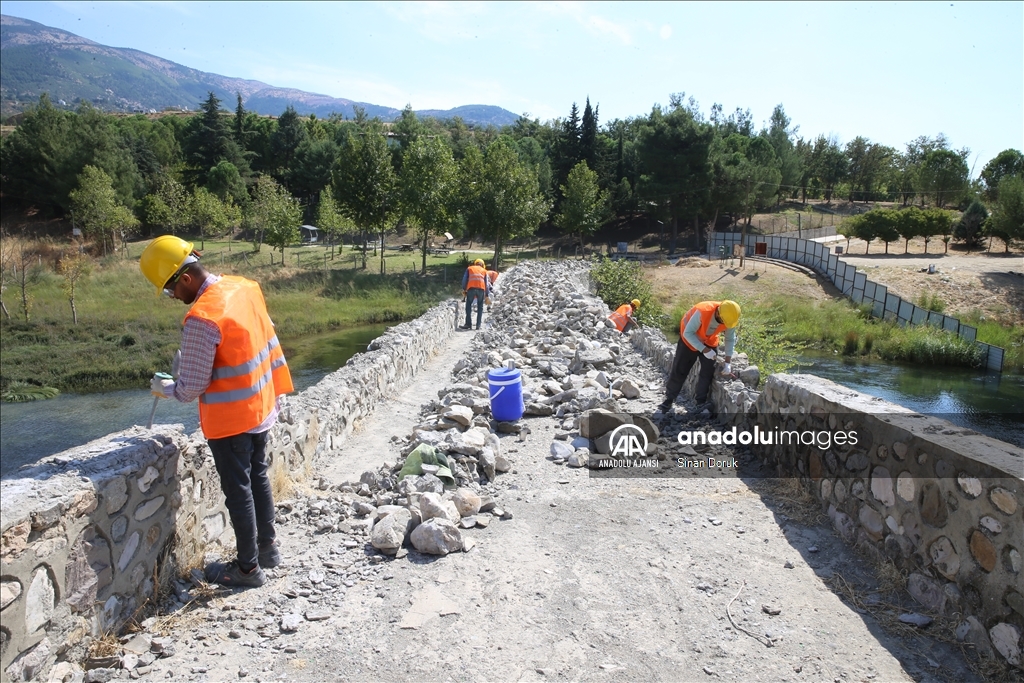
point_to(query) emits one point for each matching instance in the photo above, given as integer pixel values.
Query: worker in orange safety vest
(699, 332)
(231, 360)
(475, 288)
(623, 318)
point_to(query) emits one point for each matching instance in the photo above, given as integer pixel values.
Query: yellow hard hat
(479, 262)
(162, 259)
(729, 312)
(635, 303)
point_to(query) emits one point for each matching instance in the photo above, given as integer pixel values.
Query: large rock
(437, 537)
(459, 413)
(389, 533)
(599, 358)
(594, 423)
(466, 502)
(433, 506)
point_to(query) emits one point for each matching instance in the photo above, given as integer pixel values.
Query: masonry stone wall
(944, 503)
(89, 535)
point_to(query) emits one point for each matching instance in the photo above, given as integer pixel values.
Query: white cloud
(595, 24)
(665, 32)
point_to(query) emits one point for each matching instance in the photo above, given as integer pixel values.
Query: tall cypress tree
(588, 136)
(209, 141)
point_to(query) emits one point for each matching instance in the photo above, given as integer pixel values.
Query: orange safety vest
(249, 369)
(621, 316)
(707, 317)
(477, 278)
(492, 275)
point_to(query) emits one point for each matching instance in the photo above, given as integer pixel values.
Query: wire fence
(855, 285)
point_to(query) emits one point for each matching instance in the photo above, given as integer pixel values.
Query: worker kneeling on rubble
(231, 360)
(623, 316)
(699, 332)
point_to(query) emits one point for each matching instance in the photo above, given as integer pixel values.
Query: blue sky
(888, 71)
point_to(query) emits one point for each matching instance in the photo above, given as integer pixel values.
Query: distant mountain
(37, 59)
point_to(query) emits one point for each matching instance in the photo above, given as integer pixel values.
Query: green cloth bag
(425, 454)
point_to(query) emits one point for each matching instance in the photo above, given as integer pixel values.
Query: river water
(987, 402)
(31, 431)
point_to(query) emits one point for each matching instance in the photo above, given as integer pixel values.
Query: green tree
(429, 189)
(211, 216)
(828, 164)
(868, 163)
(311, 170)
(503, 199)
(887, 223)
(365, 184)
(862, 227)
(969, 228)
(937, 222)
(331, 220)
(285, 141)
(274, 215)
(96, 208)
(584, 204)
(588, 137)
(1007, 220)
(944, 176)
(910, 224)
(209, 140)
(1007, 163)
(673, 152)
(790, 162)
(226, 182)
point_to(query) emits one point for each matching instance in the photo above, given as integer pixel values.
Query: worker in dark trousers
(698, 341)
(475, 288)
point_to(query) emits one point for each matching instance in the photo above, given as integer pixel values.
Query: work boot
(465, 327)
(665, 406)
(233, 576)
(270, 556)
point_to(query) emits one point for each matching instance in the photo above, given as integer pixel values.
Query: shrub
(620, 281)
(851, 344)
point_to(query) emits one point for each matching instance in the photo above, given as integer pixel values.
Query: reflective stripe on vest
(249, 368)
(621, 316)
(707, 315)
(477, 278)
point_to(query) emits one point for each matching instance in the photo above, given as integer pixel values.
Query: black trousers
(478, 295)
(681, 365)
(241, 462)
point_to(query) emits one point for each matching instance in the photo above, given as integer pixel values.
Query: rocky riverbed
(534, 566)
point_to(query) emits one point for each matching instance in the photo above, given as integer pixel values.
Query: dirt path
(594, 579)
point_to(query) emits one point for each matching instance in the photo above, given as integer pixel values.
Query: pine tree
(588, 136)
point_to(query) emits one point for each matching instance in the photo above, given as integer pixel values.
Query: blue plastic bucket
(506, 387)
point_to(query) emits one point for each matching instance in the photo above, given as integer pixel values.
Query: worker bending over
(623, 316)
(698, 340)
(492, 277)
(475, 287)
(232, 362)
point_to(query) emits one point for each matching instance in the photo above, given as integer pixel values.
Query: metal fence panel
(951, 324)
(878, 309)
(869, 289)
(995, 358)
(919, 315)
(892, 303)
(967, 332)
(905, 310)
(859, 279)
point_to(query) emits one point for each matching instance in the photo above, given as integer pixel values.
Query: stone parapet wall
(89, 535)
(944, 503)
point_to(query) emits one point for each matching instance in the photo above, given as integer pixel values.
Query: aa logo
(628, 441)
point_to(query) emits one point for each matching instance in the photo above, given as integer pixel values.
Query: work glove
(463, 296)
(161, 387)
(726, 368)
(710, 354)
(487, 300)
